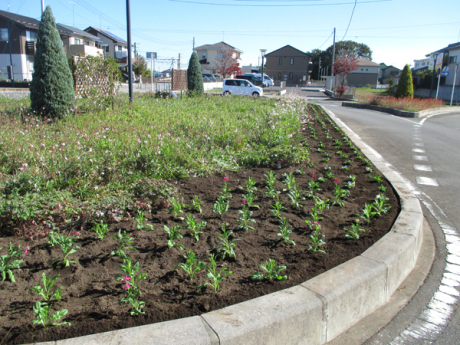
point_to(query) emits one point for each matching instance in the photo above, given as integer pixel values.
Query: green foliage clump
(405, 87)
(51, 90)
(194, 77)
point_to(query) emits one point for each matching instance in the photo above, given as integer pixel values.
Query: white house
(208, 55)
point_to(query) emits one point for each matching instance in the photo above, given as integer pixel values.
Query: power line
(280, 5)
(352, 12)
(326, 40)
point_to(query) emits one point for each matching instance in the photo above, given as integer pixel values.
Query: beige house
(288, 64)
(208, 55)
(114, 46)
(386, 71)
(366, 74)
(79, 42)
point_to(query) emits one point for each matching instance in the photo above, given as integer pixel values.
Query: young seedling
(227, 245)
(225, 193)
(173, 234)
(353, 234)
(271, 181)
(45, 291)
(367, 214)
(295, 197)
(194, 226)
(320, 205)
(245, 219)
(141, 222)
(272, 271)
(379, 204)
(248, 200)
(123, 241)
(44, 317)
(216, 277)
(51, 239)
(191, 259)
(8, 262)
(100, 229)
(376, 178)
(221, 206)
(277, 207)
(195, 204)
(250, 185)
(285, 231)
(289, 181)
(67, 248)
(339, 194)
(130, 281)
(382, 188)
(316, 239)
(312, 188)
(176, 208)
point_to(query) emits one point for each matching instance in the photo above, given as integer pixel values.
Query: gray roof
(445, 49)
(27, 22)
(107, 34)
(287, 46)
(218, 46)
(74, 31)
(365, 62)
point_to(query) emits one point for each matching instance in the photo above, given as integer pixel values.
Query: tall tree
(51, 90)
(226, 63)
(344, 65)
(405, 86)
(194, 76)
(141, 68)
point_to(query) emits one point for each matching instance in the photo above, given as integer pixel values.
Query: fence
(179, 79)
(93, 77)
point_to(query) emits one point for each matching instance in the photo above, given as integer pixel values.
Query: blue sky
(397, 31)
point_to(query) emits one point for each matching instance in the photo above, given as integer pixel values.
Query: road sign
(444, 74)
(439, 71)
(151, 55)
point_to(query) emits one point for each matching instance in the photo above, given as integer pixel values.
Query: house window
(3, 34)
(119, 48)
(281, 61)
(367, 69)
(203, 55)
(452, 59)
(86, 43)
(362, 69)
(279, 75)
(76, 41)
(292, 61)
(290, 76)
(31, 35)
(107, 49)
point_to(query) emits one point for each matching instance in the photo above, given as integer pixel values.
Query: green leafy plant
(379, 204)
(272, 271)
(382, 188)
(405, 88)
(194, 226)
(250, 185)
(176, 208)
(8, 262)
(51, 239)
(270, 179)
(45, 291)
(140, 222)
(173, 234)
(221, 206)
(123, 240)
(100, 229)
(248, 200)
(130, 280)
(191, 259)
(288, 180)
(320, 205)
(376, 178)
(195, 204)
(44, 316)
(295, 196)
(277, 207)
(245, 219)
(313, 187)
(225, 191)
(285, 231)
(216, 277)
(67, 248)
(227, 244)
(368, 213)
(353, 233)
(316, 239)
(339, 194)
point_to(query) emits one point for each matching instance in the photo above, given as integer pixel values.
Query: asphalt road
(427, 153)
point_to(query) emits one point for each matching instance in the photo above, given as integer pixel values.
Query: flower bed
(406, 104)
(300, 213)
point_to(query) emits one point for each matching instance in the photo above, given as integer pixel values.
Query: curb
(402, 113)
(314, 312)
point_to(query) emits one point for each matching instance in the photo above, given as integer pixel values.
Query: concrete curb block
(314, 312)
(402, 113)
(282, 92)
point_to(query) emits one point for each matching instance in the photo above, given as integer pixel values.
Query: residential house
(115, 46)
(79, 42)
(451, 55)
(209, 54)
(421, 64)
(386, 71)
(288, 64)
(366, 74)
(18, 35)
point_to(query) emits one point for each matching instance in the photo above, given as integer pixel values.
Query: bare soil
(91, 294)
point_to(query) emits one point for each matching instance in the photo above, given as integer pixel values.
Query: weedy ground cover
(407, 104)
(269, 210)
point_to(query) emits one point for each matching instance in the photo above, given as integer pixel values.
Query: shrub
(405, 87)
(51, 89)
(194, 76)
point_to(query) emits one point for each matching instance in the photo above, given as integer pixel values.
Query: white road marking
(427, 181)
(419, 144)
(418, 151)
(420, 167)
(420, 158)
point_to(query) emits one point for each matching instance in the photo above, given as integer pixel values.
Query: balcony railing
(85, 50)
(120, 54)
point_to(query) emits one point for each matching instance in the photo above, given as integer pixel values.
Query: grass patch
(106, 161)
(364, 92)
(407, 104)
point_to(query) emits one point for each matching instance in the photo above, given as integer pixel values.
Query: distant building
(288, 64)
(366, 74)
(208, 55)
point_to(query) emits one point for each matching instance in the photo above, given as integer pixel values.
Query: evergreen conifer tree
(405, 86)
(194, 76)
(51, 90)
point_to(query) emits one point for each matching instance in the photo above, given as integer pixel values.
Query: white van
(240, 87)
(267, 80)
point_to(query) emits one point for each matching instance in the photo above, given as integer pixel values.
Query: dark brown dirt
(91, 294)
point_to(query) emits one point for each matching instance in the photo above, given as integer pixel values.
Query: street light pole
(433, 74)
(262, 51)
(453, 85)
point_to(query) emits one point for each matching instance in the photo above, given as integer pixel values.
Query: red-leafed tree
(343, 66)
(227, 64)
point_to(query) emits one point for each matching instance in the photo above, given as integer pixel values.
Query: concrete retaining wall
(314, 312)
(397, 112)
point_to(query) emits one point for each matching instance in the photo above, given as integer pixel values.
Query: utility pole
(130, 62)
(43, 6)
(193, 43)
(73, 10)
(178, 62)
(434, 73)
(333, 54)
(319, 67)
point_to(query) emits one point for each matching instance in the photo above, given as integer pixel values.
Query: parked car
(208, 77)
(267, 80)
(240, 87)
(253, 79)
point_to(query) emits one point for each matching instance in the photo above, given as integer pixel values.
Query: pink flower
(313, 175)
(336, 180)
(26, 251)
(225, 179)
(244, 201)
(126, 286)
(126, 278)
(76, 233)
(317, 223)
